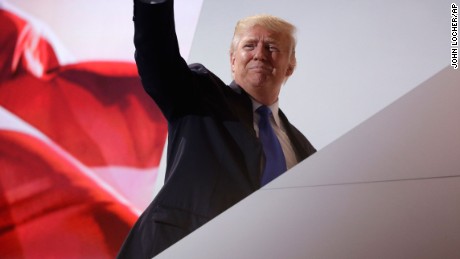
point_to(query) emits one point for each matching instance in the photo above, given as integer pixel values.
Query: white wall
(354, 57)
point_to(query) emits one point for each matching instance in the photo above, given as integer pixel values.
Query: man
(216, 149)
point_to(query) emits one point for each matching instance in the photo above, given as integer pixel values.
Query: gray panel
(416, 136)
(406, 219)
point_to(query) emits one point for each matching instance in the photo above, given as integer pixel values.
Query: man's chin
(259, 79)
(254, 81)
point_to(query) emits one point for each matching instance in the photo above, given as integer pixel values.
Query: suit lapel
(241, 128)
(298, 141)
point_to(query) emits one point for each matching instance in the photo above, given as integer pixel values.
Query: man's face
(260, 63)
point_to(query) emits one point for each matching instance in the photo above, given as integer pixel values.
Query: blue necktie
(275, 163)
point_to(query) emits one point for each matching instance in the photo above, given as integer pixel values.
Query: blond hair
(270, 22)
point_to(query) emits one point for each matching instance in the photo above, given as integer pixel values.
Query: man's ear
(290, 70)
(232, 62)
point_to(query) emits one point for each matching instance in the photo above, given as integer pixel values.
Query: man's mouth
(261, 68)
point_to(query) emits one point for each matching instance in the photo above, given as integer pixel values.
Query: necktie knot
(264, 111)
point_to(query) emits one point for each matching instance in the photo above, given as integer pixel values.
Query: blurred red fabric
(91, 115)
(51, 209)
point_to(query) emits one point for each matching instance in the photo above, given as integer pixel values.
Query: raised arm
(164, 73)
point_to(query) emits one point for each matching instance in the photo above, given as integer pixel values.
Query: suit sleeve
(164, 73)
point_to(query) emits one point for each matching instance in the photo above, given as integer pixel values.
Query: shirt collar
(273, 107)
(255, 104)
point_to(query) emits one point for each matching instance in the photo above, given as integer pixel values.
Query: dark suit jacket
(214, 157)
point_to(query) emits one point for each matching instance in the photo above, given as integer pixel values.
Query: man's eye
(273, 48)
(248, 46)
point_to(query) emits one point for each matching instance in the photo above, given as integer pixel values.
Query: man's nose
(260, 52)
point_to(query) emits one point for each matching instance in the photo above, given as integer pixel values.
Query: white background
(354, 57)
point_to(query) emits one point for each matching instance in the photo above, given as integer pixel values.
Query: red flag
(79, 148)
(52, 207)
